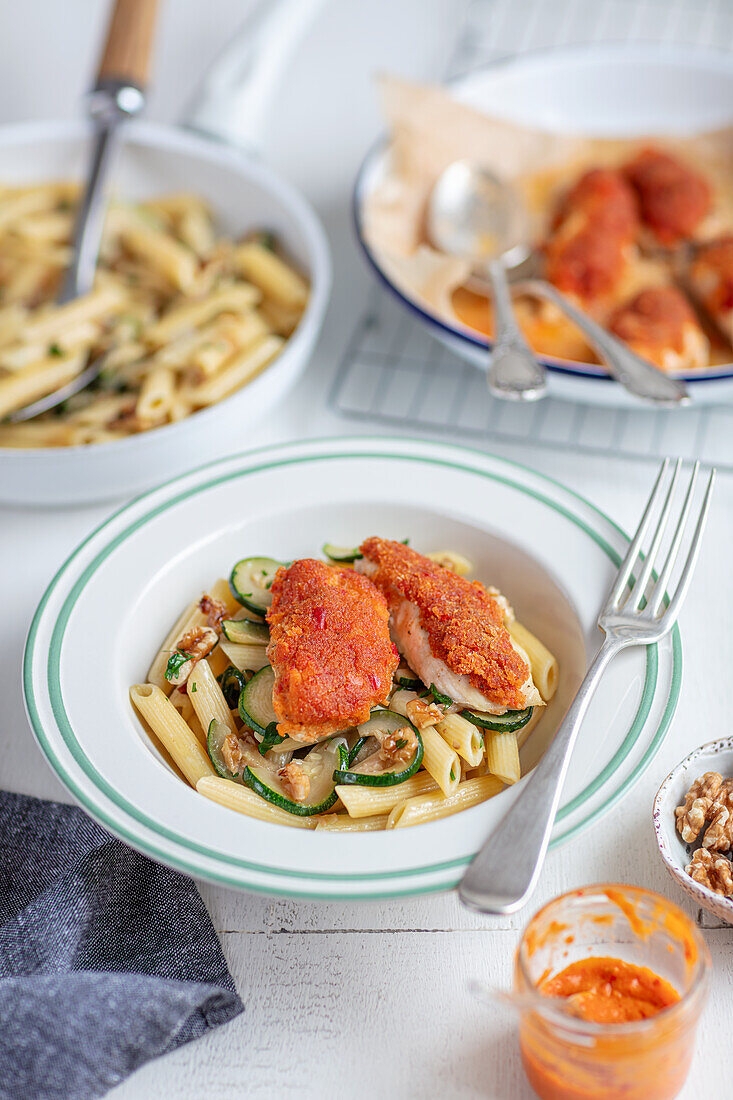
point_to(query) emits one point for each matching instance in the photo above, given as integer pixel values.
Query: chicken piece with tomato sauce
(673, 198)
(588, 250)
(660, 325)
(711, 282)
(451, 631)
(330, 649)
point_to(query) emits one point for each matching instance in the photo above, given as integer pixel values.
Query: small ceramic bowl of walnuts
(693, 821)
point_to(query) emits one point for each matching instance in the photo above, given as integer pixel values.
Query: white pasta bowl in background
(715, 756)
(550, 552)
(244, 195)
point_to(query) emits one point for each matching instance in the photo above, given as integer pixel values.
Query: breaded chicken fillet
(450, 630)
(329, 648)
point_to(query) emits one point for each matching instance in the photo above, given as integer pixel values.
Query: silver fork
(631, 616)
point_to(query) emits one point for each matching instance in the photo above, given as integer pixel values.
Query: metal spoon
(471, 214)
(476, 210)
(117, 95)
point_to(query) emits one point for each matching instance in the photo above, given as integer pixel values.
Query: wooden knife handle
(129, 42)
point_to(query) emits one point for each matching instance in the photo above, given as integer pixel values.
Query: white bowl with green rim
(105, 613)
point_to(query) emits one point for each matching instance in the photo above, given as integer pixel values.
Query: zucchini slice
(255, 702)
(247, 658)
(251, 580)
(232, 684)
(215, 738)
(343, 554)
(502, 723)
(369, 772)
(360, 750)
(244, 632)
(320, 765)
(405, 678)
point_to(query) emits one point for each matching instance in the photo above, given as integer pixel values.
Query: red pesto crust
(656, 317)
(673, 198)
(716, 258)
(464, 624)
(597, 220)
(329, 647)
(604, 198)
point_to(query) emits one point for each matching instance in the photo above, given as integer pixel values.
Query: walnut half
(423, 714)
(695, 810)
(712, 870)
(296, 783)
(719, 833)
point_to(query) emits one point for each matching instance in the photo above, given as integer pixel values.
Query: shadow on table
(492, 1068)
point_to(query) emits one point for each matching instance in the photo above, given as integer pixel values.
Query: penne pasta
(432, 807)
(36, 380)
(449, 559)
(544, 666)
(343, 823)
(462, 736)
(244, 801)
(369, 801)
(502, 756)
(175, 735)
(191, 314)
(207, 698)
(191, 618)
(183, 705)
(162, 252)
(440, 761)
(272, 275)
(242, 367)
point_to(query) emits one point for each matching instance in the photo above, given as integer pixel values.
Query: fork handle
(505, 872)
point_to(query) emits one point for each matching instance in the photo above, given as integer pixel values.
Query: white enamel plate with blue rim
(616, 89)
(109, 607)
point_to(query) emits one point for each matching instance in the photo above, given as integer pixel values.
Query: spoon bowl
(474, 215)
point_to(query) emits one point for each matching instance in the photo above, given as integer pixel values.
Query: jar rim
(551, 1006)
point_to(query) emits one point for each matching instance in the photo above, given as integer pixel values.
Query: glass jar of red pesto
(569, 1058)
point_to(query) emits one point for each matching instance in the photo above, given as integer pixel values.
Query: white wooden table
(368, 1000)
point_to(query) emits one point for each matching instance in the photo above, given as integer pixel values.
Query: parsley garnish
(270, 739)
(444, 700)
(175, 663)
(453, 773)
(400, 744)
(54, 349)
(194, 687)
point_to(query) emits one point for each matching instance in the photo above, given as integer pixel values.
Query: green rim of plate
(358, 452)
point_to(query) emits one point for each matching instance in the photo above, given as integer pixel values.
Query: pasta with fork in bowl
(181, 316)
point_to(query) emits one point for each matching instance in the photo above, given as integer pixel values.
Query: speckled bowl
(714, 756)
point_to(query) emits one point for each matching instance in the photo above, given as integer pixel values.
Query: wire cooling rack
(394, 372)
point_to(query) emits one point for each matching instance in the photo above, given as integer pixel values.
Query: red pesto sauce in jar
(610, 991)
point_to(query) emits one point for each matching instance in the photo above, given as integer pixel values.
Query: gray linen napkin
(106, 958)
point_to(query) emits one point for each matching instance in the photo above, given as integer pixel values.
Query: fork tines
(632, 591)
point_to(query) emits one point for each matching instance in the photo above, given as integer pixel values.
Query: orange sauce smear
(610, 991)
(550, 334)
